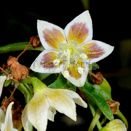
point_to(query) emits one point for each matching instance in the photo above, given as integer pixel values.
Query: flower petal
(46, 63)
(25, 122)
(8, 124)
(96, 50)
(2, 116)
(37, 111)
(51, 114)
(50, 35)
(80, 29)
(62, 103)
(76, 74)
(2, 80)
(78, 100)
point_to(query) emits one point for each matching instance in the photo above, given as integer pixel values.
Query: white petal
(80, 81)
(25, 122)
(62, 103)
(78, 100)
(51, 114)
(37, 111)
(100, 51)
(83, 20)
(8, 124)
(56, 34)
(38, 65)
(2, 80)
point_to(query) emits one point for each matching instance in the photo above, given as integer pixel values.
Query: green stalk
(122, 117)
(95, 120)
(103, 121)
(36, 83)
(93, 113)
(25, 92)
(17, 47)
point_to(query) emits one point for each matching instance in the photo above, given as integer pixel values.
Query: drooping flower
(69, 51)
(6, 123)
(114, 125)
(44, 104)
(2, 80)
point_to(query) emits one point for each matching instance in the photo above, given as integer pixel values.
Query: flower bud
(96, 78)
(114, 125)
(114, 105)
(34, 41)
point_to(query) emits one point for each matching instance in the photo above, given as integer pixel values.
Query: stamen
(83, 56)
(56, 62)
(80, 70)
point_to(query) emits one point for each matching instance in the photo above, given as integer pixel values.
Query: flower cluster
(72, 53)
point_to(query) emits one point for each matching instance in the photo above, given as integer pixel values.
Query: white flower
(69, 51)
(6, 123)
(2, 80)
(44, 104)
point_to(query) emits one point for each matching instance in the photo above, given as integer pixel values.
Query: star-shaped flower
(44, 104)
(69, 51)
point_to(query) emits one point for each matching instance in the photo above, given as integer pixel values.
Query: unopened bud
(34, 41)
(96, 78)
(114, 105)
(114, 125)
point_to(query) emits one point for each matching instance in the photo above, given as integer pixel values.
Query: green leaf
(17, 47)
(40, 76)
(95, 97)
(7, 83)
(104, 89)
(62, 83)
(85, 4)
(23, 89)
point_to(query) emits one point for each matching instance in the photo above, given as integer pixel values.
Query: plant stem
(95, 120)
(122, 117)
(25, 92)
(17, 47)
(93, 113)
(103, 121)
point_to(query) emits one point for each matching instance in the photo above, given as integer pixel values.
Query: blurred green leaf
(17, 47)
(95, 96)
(85, 3)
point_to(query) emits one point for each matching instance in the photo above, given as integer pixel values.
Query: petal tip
(86, 12)
(84, 104)
(39, 21)
(112, 48)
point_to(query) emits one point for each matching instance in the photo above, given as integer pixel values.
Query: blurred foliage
(124, 79)
(85, 4)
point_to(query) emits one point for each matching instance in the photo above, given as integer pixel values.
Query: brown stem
(26, 48)
(4, 71)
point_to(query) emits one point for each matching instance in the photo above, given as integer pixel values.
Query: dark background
(111, 24)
